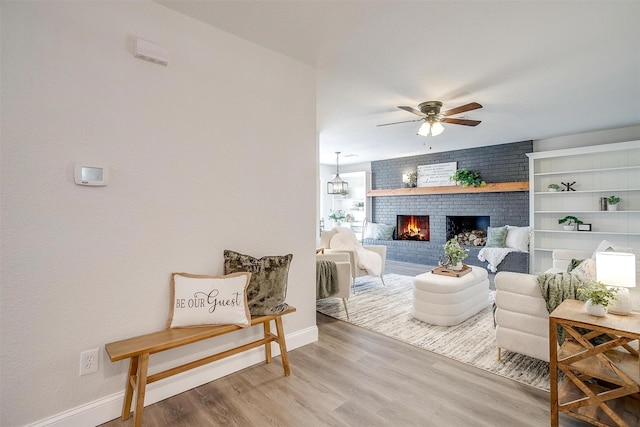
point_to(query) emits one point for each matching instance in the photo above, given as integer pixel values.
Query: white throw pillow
(586, 270)
(370, 230)
(607, 246)
(198, 300)
(518, 238)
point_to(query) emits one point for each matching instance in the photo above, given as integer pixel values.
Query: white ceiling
(541, 69)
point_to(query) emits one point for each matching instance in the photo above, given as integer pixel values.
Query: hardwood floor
(355, 377)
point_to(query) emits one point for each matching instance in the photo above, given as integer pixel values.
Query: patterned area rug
(387, 311)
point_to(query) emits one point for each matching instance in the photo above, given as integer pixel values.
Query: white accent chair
(356, 271)
(522, 319)
(343, 265)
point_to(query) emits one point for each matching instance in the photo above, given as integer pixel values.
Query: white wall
(198, 153)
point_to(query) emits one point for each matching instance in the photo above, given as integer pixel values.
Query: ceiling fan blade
(461, 109)
(411, 110)
(464, 122)
(406, 121)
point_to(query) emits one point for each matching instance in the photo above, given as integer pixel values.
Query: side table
(601, 383)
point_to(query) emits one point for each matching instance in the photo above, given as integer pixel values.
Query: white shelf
(586, 212)
(587, 171)
(622, 233)
(606, 190)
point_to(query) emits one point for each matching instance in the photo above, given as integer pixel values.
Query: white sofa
(522, 319)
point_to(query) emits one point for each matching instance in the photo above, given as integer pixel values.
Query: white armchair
(343, 265)
(356, 269)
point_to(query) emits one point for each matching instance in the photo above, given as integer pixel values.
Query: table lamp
(618, 270)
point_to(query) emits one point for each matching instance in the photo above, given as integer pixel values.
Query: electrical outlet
(89, 361)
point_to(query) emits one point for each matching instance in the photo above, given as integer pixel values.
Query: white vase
(553, 190)
(457, 267)
(569, 227)
(612, 207)
(595, 309)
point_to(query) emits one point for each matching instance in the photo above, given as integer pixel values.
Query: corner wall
(193, 172)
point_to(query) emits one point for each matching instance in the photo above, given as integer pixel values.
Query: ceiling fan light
(424, 129)
(436, 128)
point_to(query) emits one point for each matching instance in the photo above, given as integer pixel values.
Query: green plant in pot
(553, 187)
(454, 253)
(337, 216)
(598, 296)
(467, 178)
(569, 222)
(612, 202)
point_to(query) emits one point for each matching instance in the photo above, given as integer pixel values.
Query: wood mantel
(499, 187)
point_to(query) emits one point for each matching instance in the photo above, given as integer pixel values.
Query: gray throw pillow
(267, 288)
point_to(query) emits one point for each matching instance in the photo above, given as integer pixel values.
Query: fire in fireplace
(412, 227)
(469, 230)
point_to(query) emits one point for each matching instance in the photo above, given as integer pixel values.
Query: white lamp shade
(436, 128)
(616, 269)
(424, 129)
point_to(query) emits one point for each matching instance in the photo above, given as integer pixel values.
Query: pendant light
(336, 185)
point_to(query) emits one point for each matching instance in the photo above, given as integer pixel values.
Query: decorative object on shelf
(584, 227)
(569, 222)
(612, 203)
(454, 254)
(336, 185)
(568, 186)
(337, 216)
(468, 178)
(410, 179)
(603, 203)
(553, 187)
(618, 271)
(599, 297)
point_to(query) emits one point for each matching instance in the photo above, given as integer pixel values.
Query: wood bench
(138, 349)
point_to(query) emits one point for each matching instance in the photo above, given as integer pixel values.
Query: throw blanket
(326, 279)
(346, 239)
(494, 256)
(556, 288)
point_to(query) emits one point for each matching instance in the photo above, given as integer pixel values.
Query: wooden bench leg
(267, 346)
(283, 346)
(128, 389)
(141, 387)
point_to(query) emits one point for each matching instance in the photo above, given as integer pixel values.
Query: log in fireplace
(469, 230)
(412, 227)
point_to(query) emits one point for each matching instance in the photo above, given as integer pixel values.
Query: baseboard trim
(108, 408)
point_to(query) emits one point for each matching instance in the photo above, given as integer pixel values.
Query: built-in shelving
(596, 172)
(499, 187)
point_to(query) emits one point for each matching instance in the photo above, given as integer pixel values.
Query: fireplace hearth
(468, 230)
(412, 227)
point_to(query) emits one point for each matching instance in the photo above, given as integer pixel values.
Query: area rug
(387, 311)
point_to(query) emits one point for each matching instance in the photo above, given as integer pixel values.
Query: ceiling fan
(433, 118)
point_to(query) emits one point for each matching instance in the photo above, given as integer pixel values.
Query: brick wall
(497, 163)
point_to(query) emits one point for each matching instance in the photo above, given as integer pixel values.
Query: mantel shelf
(499, 187)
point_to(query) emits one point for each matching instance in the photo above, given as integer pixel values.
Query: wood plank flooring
(354, 377)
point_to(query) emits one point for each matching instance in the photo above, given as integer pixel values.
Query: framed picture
(584, 227)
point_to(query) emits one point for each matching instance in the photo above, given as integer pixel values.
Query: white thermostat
(91, 175)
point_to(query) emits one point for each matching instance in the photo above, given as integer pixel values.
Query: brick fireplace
(499, 163)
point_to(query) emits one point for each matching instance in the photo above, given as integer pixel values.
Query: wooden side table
(601, 383)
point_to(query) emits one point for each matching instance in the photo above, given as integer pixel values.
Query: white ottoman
(446, 301)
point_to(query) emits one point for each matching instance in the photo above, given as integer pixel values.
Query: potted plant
(337, 216)
(599, 297)
(553, 187)
(455, 254)
(612, 202)
(569, 222)
(467, 178)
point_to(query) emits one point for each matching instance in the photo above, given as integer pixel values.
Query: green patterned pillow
(496, 237)
(267, 288)
(573, 264)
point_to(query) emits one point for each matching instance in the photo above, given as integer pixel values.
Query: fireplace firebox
(412, 227)
(469, 230)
